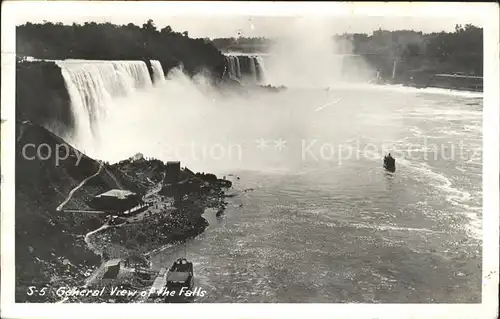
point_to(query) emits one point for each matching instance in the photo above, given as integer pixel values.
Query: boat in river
(180, 276)
(174, 284)
(389, 163)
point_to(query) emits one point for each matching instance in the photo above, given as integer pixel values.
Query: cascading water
(232, 63)
(250, 67)
(282, 69)
(259, 61)
(93, 84)
(238, 68)
(230, 66)
(158, 74)
(253, 70)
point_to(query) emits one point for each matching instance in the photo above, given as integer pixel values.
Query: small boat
(180, 276)
(389, 163)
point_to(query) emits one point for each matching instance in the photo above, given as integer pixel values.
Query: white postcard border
(13, 10)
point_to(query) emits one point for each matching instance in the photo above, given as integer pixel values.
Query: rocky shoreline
(165, 222)
(61, 249)
(132, 243)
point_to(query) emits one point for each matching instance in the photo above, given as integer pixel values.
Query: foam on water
(304, 220)
(441, 182)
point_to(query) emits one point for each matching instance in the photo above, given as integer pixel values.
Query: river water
(315, 218)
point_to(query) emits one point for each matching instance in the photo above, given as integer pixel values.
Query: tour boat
(180, 275)
(390, 163)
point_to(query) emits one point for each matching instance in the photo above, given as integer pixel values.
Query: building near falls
(116, 200)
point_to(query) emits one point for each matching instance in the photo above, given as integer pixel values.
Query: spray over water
(306, 54)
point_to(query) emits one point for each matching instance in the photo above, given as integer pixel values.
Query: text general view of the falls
(291, 160)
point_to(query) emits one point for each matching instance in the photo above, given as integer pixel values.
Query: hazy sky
(222, 20)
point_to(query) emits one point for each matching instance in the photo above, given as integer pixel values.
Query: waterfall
(261, 69)
(230, 66)
(253, 70)
(246, 67)
(93, 84)
(158, 74)
(227, 72)
(238, 68)
(233, 68)
(232, 61)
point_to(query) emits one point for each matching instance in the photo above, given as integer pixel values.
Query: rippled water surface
(327, 224)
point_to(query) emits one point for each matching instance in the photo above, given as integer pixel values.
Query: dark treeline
(243, 44)
(106, 41)
(458, 51)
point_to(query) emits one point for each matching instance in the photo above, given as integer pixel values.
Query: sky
(267, 20)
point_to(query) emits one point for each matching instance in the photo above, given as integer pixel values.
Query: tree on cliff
(149, 27)
(166, 30)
